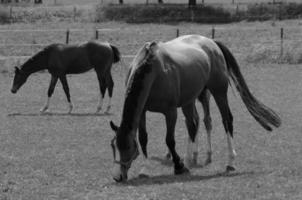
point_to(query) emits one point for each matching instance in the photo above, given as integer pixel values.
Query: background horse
(62, 59)
(174, 74)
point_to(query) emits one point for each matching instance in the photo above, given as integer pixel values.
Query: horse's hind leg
(143, 140)
(102, 85)
(171, 117)
(192, 122)
(64, 82)
(52, 85)
(109, 84)
(227, 119)
(204, 98)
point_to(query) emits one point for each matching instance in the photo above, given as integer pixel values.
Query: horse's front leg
(52, 85)
(171, 117)
(143, 140)
(63, 80)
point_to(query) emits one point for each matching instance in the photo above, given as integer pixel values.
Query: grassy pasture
(60, 156)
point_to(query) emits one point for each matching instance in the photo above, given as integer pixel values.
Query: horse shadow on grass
(168, 179)
(58, 114)
(169, 163)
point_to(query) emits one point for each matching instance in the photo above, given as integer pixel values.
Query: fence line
(57, 30)
(212, 34)
(213, 31)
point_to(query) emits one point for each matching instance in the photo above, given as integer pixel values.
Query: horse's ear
(16, 69)
(151, 45)
(113, 126)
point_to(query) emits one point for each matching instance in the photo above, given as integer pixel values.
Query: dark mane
(134, 89)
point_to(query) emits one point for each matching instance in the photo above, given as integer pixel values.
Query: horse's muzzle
(14, 91)
(120, 177)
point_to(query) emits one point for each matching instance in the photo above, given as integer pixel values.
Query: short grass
(59, 156)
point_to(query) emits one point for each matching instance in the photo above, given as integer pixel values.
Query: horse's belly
(78, 70)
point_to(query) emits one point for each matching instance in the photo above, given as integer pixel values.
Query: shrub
(265, 11)
(162, 13)
(4, 15)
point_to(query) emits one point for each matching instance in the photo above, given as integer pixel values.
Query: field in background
(251, 42)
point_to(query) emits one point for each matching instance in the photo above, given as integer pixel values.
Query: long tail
(263, 114)
(116, 54)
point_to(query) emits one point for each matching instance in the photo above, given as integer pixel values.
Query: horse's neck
(138, 91)
(35, 64)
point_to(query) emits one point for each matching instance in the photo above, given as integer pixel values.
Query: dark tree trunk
(160, 1)
(121, 1)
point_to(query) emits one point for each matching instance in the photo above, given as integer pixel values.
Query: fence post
(74, 13)
(177, 32)
(96, 34)
(67, 36)
(280, 11)
(281, 41)
(213, 32)
(192, 15)
(11, 14)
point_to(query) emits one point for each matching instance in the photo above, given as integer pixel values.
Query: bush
(265, 11)
(4, 15)
(140, 13)
(34, 14)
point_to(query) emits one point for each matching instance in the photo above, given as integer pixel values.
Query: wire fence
(18, 45)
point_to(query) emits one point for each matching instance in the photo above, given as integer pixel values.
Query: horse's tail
(263, 114)
(116, 54)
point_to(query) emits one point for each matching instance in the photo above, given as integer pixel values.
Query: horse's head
(125, 151)
(19, 79)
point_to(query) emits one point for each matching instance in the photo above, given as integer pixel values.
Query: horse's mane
(134, 87)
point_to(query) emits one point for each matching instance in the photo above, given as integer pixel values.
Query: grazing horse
(174, 74)
(62, 59)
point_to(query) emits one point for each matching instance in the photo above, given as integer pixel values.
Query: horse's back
(218, 74)
(75, 59)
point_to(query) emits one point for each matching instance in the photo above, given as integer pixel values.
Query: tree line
(190, 2)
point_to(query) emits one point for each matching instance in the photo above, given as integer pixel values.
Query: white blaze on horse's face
(116, 171)
(123, 158)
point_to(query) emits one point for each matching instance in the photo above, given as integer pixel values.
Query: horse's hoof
(195, 158)
(43, 110)
(188, 162)
(168, 156)
(98, 110)
(230, 168)
(108, 109)
(182, 170)
(208, 161)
